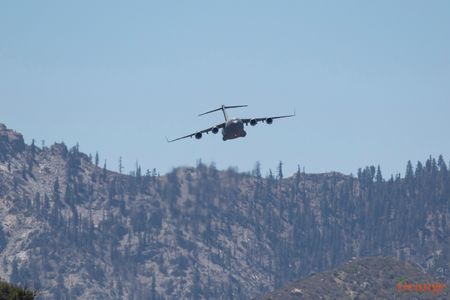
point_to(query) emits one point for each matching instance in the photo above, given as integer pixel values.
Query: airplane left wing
(198, 134)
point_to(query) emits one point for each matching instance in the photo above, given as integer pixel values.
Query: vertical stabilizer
(223, 109)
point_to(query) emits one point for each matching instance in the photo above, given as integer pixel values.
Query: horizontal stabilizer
(222, 108)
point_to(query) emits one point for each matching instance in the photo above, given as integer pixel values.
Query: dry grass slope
(362, 278)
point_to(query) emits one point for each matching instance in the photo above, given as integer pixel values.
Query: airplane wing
(268, 120)
(198, 132)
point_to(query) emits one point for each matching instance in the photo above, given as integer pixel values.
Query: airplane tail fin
(223, 107)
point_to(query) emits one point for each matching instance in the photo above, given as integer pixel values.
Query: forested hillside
(73, 229)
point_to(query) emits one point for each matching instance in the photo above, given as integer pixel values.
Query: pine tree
(2, 239)
(104, 170)
(419, 169)
(96, 159)
(379, 176)
(56, 197)
(441, 164)
(172, 189)
(138, 171)
(68, 195)
(154, 293)
(120, 165)
(33, 149)
(409, 174)
(270, 176)
(46, 206)
(280, 170)
(56, 193)
(257, 170)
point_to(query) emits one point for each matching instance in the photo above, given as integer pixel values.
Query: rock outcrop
(11, 142)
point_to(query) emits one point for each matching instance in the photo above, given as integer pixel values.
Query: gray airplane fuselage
(233, 129)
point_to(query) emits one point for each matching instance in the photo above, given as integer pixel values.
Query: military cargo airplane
(231, 128)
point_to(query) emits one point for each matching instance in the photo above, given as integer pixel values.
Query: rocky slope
(73, 229)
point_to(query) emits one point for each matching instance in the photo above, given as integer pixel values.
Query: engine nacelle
(269, 121)
(253, 122)
(198, 135)
(215, 130)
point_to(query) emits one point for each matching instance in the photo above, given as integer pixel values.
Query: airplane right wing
(268, 120)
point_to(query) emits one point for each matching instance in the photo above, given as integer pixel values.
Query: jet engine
(253, 122)
(215, 130)
(198, 135)
(269, 121)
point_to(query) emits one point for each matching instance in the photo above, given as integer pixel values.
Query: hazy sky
(369, 80)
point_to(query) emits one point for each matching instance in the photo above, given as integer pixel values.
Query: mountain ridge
(76, 230)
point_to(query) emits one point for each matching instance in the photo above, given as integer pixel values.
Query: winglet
(167, 139)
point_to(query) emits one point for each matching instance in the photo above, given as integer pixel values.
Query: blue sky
(369, 80)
